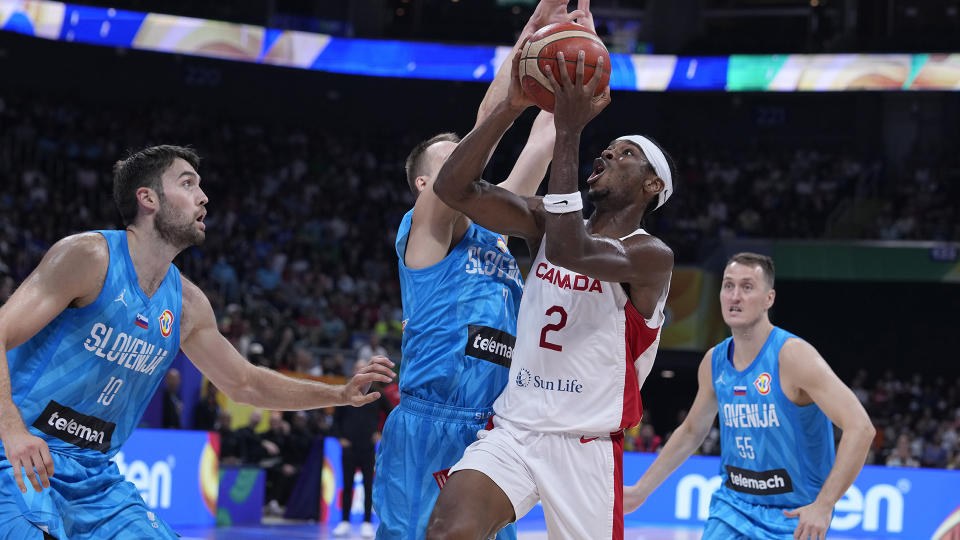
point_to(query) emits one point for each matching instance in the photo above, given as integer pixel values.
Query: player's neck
(748, 340)
(613, 223)
(151, 257)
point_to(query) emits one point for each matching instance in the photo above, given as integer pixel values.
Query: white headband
(658, 160)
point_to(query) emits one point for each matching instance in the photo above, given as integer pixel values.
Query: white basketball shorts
(577, 478)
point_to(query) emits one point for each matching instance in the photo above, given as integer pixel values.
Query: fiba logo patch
(523, 378)
(763, 383)
(166, 323)
(501, 245)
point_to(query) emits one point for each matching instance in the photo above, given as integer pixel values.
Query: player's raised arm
(460, 186)
(641, 259)
(71, 273)
(547, 12)
(436, 226)
(685, 440)
(804, 372)
(245, 383)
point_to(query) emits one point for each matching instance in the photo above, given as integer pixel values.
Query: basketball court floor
(528, 530)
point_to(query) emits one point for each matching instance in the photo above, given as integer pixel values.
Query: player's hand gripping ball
(541, 50)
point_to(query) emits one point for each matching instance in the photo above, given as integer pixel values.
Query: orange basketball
(541, 50)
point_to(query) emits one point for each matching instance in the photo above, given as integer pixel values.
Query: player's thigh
(493, 474)
(118, 513)
(717, 529)
(13, 524)
(22, 514)
(594, 507)
(471, 505)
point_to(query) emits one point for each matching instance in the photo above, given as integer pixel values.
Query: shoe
(367, 530)
(342, 529)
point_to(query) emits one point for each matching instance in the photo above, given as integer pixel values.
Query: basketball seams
(533, 49)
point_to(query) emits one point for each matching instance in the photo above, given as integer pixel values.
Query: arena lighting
(383, 58)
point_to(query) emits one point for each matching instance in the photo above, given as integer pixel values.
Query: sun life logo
(763, 383)
(523, 377)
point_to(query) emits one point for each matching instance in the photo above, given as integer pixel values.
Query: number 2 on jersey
(553, 327)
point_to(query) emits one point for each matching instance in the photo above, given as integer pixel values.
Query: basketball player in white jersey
(587, 332)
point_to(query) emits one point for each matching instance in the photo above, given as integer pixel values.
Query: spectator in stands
(901, 456)
(369, 349)
(357, 428)
(207, 411)
(304, 362)
(172, 404)
(281, 472)
(230, 451)
(648, 440)
(250, 445)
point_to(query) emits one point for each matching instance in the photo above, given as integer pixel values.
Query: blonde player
(587, 333)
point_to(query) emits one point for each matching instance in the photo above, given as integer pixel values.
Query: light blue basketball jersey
(774, 453)
(460, 320)
(83, 382)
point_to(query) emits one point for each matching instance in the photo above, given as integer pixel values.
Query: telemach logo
(77, 429)
(490, 344)
(773, 482)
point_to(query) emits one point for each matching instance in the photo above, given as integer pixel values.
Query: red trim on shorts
(617, 440)
(638, 338)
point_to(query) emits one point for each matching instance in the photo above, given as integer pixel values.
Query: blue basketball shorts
(83, 502)
(731, 518)
(421, 441)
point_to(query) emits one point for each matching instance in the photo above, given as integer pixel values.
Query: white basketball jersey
(582, 354)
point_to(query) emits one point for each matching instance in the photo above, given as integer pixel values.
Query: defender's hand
(517, 99)
(586, 19)
(355, 391)
(551, 12)
(31, 453)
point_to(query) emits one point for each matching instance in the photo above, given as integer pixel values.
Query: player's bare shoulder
(798, 354)
(652, 267)
(658, 256)
(77, 263)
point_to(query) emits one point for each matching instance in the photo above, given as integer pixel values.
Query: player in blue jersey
(461, 290)
(85, 341)
(776, 397)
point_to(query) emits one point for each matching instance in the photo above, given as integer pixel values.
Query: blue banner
(175, 472)
(384, 58)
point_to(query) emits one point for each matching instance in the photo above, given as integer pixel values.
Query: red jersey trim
(638, 337)
(617, 440)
